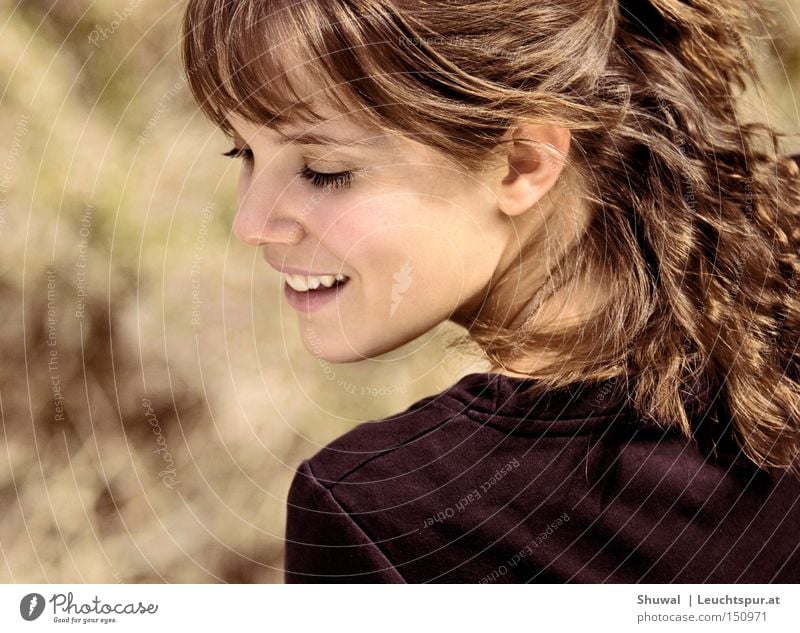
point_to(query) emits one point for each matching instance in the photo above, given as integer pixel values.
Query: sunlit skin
(408, 218)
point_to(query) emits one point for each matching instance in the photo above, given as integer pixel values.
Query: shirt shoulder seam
(346, 512)
(434, 424)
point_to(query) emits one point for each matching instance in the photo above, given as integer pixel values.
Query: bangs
(278, 62)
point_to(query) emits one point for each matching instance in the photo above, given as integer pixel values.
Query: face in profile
(366, 208)
(407, 239)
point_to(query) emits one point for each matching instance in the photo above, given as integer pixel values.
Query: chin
(337, 351)
(341, 350)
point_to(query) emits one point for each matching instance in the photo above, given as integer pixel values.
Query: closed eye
(318, 179)
(323, 180)
(244, 153)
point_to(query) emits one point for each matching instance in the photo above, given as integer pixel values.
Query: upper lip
(288, 270)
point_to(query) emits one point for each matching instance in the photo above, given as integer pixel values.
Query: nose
(256, 230)
(259, 221)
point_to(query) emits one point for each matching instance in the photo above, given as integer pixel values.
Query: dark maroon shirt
(481, 483)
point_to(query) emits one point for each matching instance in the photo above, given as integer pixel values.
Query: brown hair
(695, 215)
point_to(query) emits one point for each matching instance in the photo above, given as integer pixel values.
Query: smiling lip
(313, 299)
(297, 271)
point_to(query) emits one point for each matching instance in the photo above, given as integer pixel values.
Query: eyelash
(318, 179)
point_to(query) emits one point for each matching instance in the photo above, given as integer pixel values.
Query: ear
(529, 171)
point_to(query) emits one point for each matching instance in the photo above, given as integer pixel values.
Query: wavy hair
(695, 214)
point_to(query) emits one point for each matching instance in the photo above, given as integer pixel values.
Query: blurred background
(155, 396)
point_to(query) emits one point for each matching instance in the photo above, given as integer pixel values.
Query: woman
(569, 182)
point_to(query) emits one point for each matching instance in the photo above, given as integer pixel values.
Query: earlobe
(535, 159)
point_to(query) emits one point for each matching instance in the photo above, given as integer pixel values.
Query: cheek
(428, 251)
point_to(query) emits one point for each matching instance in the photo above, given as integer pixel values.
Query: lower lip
(312, 300)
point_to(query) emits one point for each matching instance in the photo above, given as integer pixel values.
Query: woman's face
(418, 239)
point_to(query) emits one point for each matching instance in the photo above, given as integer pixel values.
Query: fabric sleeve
(323, 542)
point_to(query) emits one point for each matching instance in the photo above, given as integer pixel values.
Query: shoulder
(379, 440)
(329, 535)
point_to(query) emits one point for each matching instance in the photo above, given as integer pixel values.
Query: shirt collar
(501, 401)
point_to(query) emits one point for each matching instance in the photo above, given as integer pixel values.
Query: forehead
(336, 131)
(310, 111)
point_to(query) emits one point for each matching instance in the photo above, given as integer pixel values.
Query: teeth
(301, 283)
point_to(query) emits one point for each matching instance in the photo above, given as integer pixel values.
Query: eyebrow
(314, 138)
